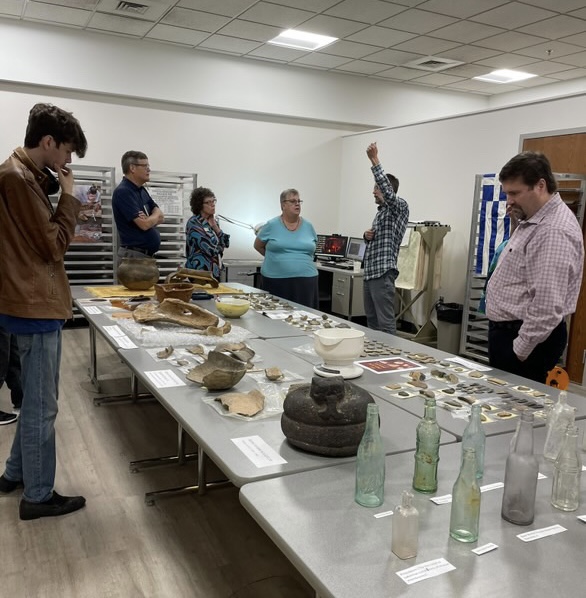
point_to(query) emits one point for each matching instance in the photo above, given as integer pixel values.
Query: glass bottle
(560, 416)
(427, 451)
(521, 476)
(465, 514)
(405, 528)
(370, 463)
(565, 491)
(474, 437)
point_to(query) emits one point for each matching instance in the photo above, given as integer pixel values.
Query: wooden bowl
(174, 290)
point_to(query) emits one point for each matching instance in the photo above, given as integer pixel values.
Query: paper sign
(113, 331)
(469, 364)
(494, 486)
(91, 309)
(125, 343)
(425, 571)
(383, 514)
(581, 518)
(537, 534)
(447, 498)
(389, 365)
(258, 451)
(164, 378)
(484, 549)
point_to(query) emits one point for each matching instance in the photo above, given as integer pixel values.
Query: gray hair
(285, 194)
(131, 157)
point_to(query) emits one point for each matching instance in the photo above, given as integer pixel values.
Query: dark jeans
(541, 360)
(10, 367)
(303, 290)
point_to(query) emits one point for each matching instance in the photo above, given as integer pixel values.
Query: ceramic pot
(326, 417)
(138, 273)
(339, 346)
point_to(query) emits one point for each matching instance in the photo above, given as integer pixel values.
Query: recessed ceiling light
(302, 40)
(504, 76)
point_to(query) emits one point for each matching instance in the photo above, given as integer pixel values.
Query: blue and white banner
(493, 224)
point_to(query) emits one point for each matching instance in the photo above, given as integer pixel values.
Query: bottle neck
(372, 425)
(429, 413)
(524, 440)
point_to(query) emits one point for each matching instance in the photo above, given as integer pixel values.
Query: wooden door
(567, 153)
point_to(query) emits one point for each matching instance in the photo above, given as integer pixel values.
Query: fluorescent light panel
(302, 40)
(505, 76)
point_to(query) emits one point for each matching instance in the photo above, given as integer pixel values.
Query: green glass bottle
(474, 437)
(427, 451)
(465, 514)
(370, 463)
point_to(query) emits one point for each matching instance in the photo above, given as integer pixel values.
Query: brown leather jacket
(33, 240)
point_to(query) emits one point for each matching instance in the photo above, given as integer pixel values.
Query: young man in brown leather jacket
(35, 298)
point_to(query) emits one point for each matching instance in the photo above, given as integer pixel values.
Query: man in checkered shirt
(537, 280)
(382, 248)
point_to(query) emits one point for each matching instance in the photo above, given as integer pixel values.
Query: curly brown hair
(198, 196)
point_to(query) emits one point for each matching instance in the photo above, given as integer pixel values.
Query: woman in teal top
(287, 243)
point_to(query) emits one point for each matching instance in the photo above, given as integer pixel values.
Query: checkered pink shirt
(538, 276)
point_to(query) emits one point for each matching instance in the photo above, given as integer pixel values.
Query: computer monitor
(356, 249)
(332, 248)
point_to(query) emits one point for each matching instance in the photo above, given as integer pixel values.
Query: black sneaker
(55, 506)
(7, 418)
(7, 485)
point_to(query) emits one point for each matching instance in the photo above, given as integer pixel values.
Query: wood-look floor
(186, 546)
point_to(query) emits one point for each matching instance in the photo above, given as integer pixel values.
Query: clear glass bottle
(370, 463)
(427, 451)
(405, 528)
(521, 476)
(560, 416)
(465, 514)
(474, 437)
(565, 491)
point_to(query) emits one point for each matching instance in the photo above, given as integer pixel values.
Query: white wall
(436, 164)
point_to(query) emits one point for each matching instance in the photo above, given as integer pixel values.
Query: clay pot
(138, 273)
(326, 417)
(174, 290)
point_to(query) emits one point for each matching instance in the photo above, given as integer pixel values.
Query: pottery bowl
(218, 372)
(339, 346)
(231, 307)
(174, 290)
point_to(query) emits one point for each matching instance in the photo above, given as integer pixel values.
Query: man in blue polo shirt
(135, 212)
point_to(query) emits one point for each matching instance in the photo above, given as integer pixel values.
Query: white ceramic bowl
(231, 307)
(339, 346)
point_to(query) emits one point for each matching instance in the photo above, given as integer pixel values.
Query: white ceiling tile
(84, 4)
(581, 14)
(558, 5)
(556, 27)
(426, 45)
(506, 61)
(439, 79)
(579, 39)
(556, 49)
(418, 21)
(251, 31)
(484, 86)
(536, 82)
(325, 25)
(57, 14)
(466, 32)
(228, 8)
(194, 19)
(11, 7)
(177, 35)
(408, 3)
(509, 41)
(279, 16)
(349, 49)
(277, 53)
(156, 9)
(362, 66)
(547, 68)
(121, 25)
(513, 15)
(233, 45)
(459, 9)
(366, 11)
(469, 53)
(393, 57)
(381, 36)
(467, 70)
(578, 59)
(569, 74)
(400, 74)
(313, 5)
(324, 61)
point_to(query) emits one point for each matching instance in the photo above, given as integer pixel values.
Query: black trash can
(449, 326)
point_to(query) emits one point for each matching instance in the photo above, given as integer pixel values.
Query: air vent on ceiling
(432, 63)
(131, 7)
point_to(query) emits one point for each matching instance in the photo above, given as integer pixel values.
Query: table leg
(179, 459)
(93, 368)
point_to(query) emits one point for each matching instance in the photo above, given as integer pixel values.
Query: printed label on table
(494, 486)
(582, 518)
(484, 549)
(125, 343)
(91, 309)
(114, 331)
(442, 500)
(389, 365)
(472, 365)
(536, 534)
(383, 514)
(425, 571)
(258, 451)
(541, 476)
(164, 378)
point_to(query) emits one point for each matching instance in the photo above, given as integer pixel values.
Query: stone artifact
(200, 277)
(326, 417)
(179, 312)
(274, 374)
(166, 352)
(218, 372)
(243, 403)
(138, 273)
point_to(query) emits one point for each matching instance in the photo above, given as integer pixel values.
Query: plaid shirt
(537, 279)
(389, 226)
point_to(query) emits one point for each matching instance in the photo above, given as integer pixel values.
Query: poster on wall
(89, 222)
(170, 200)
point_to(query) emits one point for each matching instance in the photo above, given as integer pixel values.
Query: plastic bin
(449, 326)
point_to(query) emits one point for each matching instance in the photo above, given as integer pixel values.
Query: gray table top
(214, 432)
(345, 552)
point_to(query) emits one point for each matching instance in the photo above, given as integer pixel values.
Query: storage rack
(474, 335)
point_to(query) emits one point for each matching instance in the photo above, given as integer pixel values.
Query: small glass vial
(370, 463)
(405, 528)
(565, 492)
(465, 514)
(474, 437)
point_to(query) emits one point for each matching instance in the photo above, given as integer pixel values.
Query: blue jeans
(32, 458)
(379, 302)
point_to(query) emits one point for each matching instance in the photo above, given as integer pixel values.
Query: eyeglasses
(147, 165)
(211, 202)
(294, 201)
